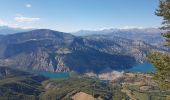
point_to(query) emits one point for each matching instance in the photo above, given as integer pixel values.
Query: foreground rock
(82, 96)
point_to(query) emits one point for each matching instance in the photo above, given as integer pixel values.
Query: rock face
(47, 50)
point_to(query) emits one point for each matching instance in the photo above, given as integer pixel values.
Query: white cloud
(27, 27)
(28, 5)
(9, 24)
(26, 19)
(20, 22)
(3, 23)
(131, 27)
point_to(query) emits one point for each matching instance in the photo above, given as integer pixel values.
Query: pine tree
(162, 60)
(164, 11)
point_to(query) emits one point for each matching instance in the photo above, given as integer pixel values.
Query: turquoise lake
(62, 75)
(144, 67)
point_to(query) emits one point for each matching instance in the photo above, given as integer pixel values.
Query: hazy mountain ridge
(5, 30)
(148, 35)
(47, 50)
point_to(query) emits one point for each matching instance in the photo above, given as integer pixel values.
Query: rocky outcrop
(61, 67)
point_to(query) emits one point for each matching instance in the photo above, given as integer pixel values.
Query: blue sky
(74, 15)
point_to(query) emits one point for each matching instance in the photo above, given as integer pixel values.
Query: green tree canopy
(164, 11)
(159, 59)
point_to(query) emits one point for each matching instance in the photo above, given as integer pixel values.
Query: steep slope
(121, 46)
(33, 50)
(19, 85)
(86, 58)
(6, 72)
(47, 50)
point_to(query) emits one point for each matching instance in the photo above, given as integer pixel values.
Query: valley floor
(18, 85)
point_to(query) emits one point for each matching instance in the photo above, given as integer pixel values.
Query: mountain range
(48, 50)
(148, 35)
(4, 30)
